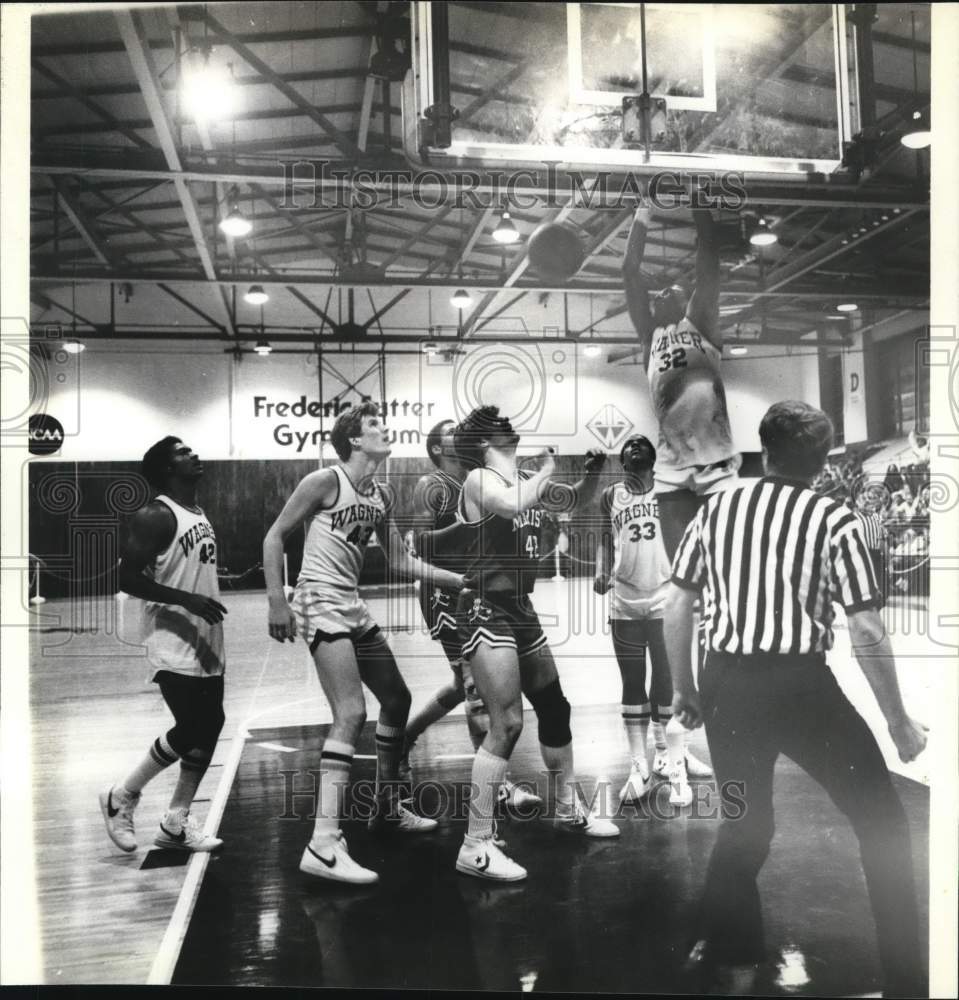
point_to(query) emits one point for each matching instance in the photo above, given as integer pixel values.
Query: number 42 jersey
(641, 570)
(337, 535)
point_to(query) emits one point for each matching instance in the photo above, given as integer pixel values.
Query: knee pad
(552, 713)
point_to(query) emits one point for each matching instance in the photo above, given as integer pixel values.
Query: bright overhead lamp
(209, 93)
(762, 235)
(505, 232)
(236, 224)
(592, 350)
(262, 347)
(738, 350)
(256, 296)
(74, 346)
(918, 136)
(847, 307)
(461, 298)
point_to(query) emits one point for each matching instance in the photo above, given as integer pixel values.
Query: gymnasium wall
(250, 421)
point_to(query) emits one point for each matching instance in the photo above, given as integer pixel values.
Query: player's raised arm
(152, 530)
(703, 308)
(492, 496)
(316, 490)
(634, 282)
(603, 575)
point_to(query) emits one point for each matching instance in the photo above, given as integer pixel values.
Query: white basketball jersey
(641, 570)
(177, 640)
(337, 536)
(688, 398)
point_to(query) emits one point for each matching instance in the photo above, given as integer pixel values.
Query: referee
(771, 558)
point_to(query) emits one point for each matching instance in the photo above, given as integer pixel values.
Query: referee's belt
(764, 661)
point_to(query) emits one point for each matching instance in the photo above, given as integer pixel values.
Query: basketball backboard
(755, 88)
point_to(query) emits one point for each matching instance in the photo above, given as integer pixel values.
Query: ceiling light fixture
(847, 307)
(762, 235)
(256, 296)
(917, 136)
(235, 223)
(461, 298)
(262, 347)
(505, 232)
(74, 346)
(209, 93)
(592, 350)
(738, 349)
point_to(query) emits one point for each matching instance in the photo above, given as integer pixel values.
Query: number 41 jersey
(641, 570)
(338, 535)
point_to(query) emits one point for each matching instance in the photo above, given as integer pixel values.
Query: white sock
(676, 736)
(560, 760)
(335, 762)
(636, 724)
(659, 735)
(487, 775)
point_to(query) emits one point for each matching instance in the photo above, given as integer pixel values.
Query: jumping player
(696, 453)
(170, 562)
(639, 577)
(435, 501)
(502, 509)
(344, 507)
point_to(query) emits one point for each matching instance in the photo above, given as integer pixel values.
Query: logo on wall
(45, 434)
(609, 426)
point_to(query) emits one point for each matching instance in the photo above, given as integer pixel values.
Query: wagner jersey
(503, 552)
(641, 570)
(178, 640)
(688, 399)
(337, 535)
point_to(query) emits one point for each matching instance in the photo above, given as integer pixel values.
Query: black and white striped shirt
(873, 530)
(771, 558)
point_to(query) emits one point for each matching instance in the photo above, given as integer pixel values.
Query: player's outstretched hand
(547, 461)
(595, 460)
(686, 709)
(602, 582)
(282, 623)
(910, 738)
(205, 607)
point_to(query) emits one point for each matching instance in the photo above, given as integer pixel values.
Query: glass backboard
(759, 88)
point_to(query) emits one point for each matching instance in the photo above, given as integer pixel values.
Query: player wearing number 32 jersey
(696, 456)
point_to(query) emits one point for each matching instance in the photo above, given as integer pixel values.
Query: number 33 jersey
(178, 640)
(688, 398)
(641, 570)
(337, 535)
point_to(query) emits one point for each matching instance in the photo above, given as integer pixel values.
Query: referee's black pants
(755, 708)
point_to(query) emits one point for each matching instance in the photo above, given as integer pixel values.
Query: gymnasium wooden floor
(594, 916)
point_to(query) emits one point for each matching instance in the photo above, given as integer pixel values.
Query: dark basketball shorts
(439, 613)
(510, 622)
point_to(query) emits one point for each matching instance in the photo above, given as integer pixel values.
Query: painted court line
(169, 951)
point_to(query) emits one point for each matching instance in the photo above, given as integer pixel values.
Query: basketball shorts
(183, 643)
(699, 479)
(324, 613)
(507, 623)
(439, 613)
(634, 605)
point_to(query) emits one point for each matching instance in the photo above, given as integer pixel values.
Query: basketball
(555, 251)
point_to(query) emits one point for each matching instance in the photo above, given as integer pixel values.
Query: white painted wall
(125, 397)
